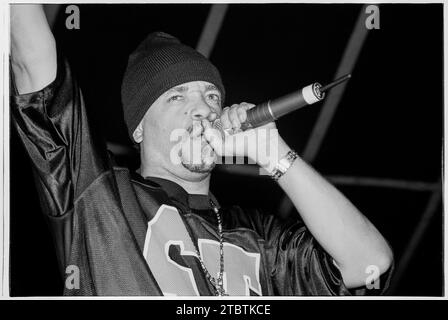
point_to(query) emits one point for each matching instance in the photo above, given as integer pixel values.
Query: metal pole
(254, 171)
(383, 183)
(348, 62)
(211, 29)
(416, 237)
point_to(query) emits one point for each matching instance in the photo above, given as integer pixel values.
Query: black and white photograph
(224, 149)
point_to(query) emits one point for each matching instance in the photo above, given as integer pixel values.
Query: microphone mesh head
(217, 125)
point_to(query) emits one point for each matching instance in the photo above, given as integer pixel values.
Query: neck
(195, 186)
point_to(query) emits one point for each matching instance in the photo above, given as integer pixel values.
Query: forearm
(334, 221)
(33, 48)
(348, 236)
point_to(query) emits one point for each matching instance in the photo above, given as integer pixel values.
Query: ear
(138, 133)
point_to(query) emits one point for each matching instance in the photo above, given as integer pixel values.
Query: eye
(214, 97)
(176, 97)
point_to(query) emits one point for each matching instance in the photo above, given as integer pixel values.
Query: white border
(445, 119)
(4, 159)
(226, 1)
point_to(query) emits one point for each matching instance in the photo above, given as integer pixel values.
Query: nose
(201, 110)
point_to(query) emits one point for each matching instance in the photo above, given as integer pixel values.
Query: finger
(206, 125)
(225, 121)
(197, 129)
(213, 137)
(209, 156)
(212, 116)
(247, 106)
(233, 116)
(212, 134)
(242, 114)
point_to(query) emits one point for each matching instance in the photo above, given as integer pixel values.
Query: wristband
(284, 164)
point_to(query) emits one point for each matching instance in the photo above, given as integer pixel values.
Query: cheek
(164, 124)
(163, 134)
(156, 132)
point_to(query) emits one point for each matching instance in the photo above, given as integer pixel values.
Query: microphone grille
(217, 125)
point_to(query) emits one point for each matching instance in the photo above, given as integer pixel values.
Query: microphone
(273, 109)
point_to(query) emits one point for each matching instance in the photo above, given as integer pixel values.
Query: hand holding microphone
(229, 134)
(237, 143)
(273, 109)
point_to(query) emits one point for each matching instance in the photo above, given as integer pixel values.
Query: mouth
(195, 136)
(204, 142)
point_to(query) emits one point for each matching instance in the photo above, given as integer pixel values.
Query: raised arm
(49, 114)
(33, 48)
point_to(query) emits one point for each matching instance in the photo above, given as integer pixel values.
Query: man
(159, 231)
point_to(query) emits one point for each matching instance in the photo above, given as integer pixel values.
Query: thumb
(213, 137)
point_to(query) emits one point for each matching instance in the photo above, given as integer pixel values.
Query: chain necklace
(218, 283)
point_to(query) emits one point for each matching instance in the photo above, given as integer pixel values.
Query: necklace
(218, 283)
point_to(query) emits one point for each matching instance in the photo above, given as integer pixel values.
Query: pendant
(222, 292)
(219, 287)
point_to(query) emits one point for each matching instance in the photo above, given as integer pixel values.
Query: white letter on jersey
(167, 229)
(242, 268)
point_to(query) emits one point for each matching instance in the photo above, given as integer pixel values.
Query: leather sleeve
(65, 152)
(297, 263)
(58, 137)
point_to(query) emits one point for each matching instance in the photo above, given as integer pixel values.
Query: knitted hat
(160, 63)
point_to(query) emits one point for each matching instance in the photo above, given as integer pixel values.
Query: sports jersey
(133, 235)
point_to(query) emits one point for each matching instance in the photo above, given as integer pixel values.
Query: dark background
(389, 123)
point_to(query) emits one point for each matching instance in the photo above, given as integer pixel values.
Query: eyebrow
(179, 89)
(182, 89)
(211, 87)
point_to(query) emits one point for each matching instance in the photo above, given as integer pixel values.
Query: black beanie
(159, 63)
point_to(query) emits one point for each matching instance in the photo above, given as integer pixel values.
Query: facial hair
(207, 153)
